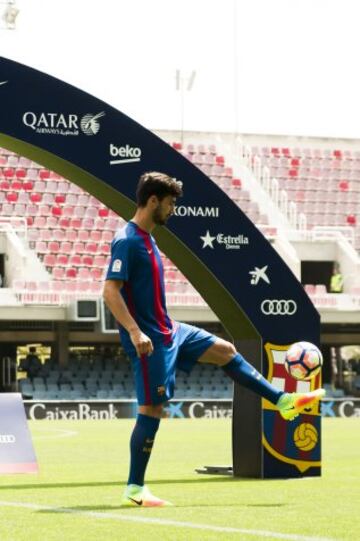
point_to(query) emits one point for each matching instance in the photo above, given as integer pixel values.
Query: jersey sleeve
(121, 260)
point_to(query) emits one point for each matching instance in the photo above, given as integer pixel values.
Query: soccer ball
(303, 360)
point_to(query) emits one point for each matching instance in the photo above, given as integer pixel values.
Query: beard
(158, 218)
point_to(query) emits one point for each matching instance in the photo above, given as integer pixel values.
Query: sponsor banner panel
(16, 449)
(175, 409)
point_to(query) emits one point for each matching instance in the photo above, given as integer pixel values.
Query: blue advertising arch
(235, 269)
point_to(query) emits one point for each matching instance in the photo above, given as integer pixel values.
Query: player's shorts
(155, 374)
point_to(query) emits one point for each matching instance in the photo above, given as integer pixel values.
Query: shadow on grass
(121, 483)
(106, 508)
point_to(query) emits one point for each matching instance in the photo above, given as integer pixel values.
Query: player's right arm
(123, 257)
(117, 306)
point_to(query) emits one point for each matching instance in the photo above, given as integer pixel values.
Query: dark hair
(158, 184)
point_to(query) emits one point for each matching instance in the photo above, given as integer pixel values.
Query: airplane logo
(259, 274)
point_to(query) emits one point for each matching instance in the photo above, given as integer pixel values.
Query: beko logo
(62, 124)
(203, 212)
(124, 154)
(278, 307)
(7, 438)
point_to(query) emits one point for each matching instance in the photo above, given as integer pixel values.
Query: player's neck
(143, 220)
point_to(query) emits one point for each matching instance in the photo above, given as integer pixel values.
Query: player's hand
(141, 342)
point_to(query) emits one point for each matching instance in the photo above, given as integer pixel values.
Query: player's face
(164, 210)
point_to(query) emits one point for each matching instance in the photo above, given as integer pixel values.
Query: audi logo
(278, 307)
(7, 438)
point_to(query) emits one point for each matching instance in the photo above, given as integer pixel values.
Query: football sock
(141, 443)
(245, 374)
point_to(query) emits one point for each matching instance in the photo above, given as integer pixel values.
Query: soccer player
(134, 292)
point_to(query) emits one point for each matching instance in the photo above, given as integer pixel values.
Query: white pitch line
(165, 522)
(63, 433)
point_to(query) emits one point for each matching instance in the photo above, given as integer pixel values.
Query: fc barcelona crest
(296, 442)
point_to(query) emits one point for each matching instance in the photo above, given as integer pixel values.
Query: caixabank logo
(297, 442)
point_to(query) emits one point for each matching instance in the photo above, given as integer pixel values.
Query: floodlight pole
(181, 82)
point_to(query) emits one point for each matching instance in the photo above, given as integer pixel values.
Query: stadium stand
(86, 380)
(69, 232)
(324, 183)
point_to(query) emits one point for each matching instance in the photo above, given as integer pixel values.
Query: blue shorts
(155, 374)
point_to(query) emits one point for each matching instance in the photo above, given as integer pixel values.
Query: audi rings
(278, 307)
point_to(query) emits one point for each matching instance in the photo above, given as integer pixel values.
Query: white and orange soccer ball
(303, 360)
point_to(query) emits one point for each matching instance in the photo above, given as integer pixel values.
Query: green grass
(86, 470)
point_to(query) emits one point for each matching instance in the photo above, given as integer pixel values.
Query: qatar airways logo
(62, 124)
(202, 212)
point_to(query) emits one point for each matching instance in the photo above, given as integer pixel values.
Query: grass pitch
(84, 465)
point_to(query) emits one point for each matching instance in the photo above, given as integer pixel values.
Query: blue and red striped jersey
(136, 260)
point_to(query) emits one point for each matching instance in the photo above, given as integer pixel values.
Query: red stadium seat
(49, 260)
(64, 222)
(58, 273)
(70, 273)
(58, 234)
(91, 247)
(16, 185)
(28, 185)
(62, 260)
(177, 146)
(104, 248)
(103, 213)
(12, 197)
(79, 247)
(56, 211)
(9, 172)
(343, 185)
(59, 198)
(79, 212)
(54, 246)
(351, 219)
(75, 260)
(75, 223)
(84, 273)
(71, 235)
(107, 236)
(68, 211)
(96, 274)
(99, 261)
(4, 185)
(41, 247)
(87, 260)
(66, 247)
(46, 234)
(51, 222)
(88, 223)
(83, 235)
(39, 221)
(95, 235)
(35, 197)
(44, 174)
(20, 173)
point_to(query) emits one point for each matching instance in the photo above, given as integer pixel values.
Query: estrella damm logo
(297, 442)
